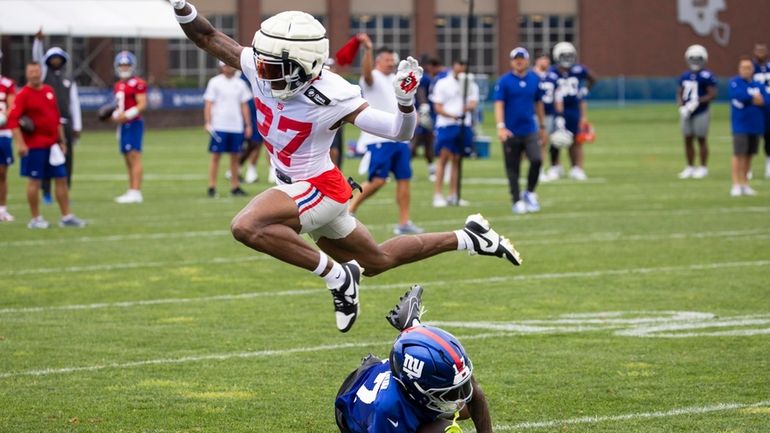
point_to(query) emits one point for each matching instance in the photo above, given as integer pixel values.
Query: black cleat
(238, 192)
(345, 297)
(487, 242)
(407, 312)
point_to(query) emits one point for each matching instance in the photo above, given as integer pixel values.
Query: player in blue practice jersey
(747, 98)
(424, 386)
(697, 88)
(762, 76)
(574, 82)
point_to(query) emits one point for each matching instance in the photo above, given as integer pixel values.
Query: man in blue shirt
(518, 97)
(697, 88)
(423, 134)
(747, 98)
(425, 385)
(574, 83)
(762, 76)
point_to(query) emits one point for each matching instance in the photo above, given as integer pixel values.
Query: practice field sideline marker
(547, 276)
(692, 410)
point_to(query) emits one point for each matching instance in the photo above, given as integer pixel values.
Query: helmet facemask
(566, 60)
(279, 78)
(696, 63)
(450, 399)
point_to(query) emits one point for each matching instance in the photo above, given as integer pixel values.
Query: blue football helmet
(433, 368)
(125, 58)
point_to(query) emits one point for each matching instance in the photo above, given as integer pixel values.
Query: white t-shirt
(297, 131)
(379, 95)
(226, 96)
(448, 91)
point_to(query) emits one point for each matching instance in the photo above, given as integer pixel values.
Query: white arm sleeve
(396, 127)
(38, 54)
(77, 118)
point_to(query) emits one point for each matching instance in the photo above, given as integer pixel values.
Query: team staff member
(227, 116)
(7, 95)
(518, 98)
(762, 75)
(747, 97)
(41, 146)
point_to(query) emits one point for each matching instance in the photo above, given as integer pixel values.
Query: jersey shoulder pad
(577, 69)
(706, 73)
(330, 89)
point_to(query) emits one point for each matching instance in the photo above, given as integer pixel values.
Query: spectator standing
(7, 95)
(747, 98)
(520, 118)
(227, 117)
(385, 156)
(41, 145)
(54, 63)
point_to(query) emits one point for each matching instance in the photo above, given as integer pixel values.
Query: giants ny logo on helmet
(413, 366)
(703, 17)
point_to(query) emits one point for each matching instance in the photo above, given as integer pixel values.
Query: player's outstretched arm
(199, 30)
(478, 409)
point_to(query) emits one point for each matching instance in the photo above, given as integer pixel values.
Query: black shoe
(407, 312)
(345, 297)
(487, 242)
(212, 192)
(238, 192)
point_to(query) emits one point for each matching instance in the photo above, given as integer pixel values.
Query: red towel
(348, 52)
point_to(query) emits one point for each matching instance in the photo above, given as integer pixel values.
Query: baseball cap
(519, 52)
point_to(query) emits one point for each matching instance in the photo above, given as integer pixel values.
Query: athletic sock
(336, 277)
(464, 241)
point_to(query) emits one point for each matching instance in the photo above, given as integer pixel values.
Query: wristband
(501, 125)
(132, 113)
(186, 19)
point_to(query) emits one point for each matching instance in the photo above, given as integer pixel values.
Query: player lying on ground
(299, 111)
(425, 385)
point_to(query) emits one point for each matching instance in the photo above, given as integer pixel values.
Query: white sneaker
(37, 223)
(577, 173)
(271, 175)
(251, 174)
(519, 207)
(687, 173)
(530, 200)
(736, 191)
(131, 196)
(439, 201)
(5, 216)
(487, 242)
(432, 172)
(555, 172)
(747, 190)
(700, 172)
(544, 177)
(453, 201)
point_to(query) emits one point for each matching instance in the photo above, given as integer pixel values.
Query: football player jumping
(299, 109)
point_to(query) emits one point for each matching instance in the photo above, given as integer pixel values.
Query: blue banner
(157, 99)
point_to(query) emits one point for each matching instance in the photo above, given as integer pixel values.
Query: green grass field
(643, 304)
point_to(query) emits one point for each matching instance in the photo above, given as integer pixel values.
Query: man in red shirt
(36, 125)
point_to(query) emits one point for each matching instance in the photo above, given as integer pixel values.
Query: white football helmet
(696, 57)
(290, 49)
(564, 54)
(562, 138)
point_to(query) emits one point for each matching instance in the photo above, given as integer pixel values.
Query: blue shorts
(255, 136)
(226, 142)
(35, 165)
(6, 151)
(421, 130)
(390, 156)
(447, 137)
(130, 136)
(572, 121)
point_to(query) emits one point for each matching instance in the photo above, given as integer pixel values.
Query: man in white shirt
(385, 156)
(227, 116)
(447, 97)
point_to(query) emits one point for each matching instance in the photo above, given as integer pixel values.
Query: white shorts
(319, 215)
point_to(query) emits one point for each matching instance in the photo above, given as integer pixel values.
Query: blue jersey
(762, 76)
(695, 84)
(571, 84)
(746, 118)
(548, 85)
(375, 403)
(519, 95)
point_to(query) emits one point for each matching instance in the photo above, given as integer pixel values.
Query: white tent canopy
(90, 18)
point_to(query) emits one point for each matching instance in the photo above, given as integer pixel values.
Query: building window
(539, 33)
(189, 66)
(392, 31)
(452, 41)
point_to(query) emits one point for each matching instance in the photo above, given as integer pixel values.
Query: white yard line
(692, 410)
(500, 279)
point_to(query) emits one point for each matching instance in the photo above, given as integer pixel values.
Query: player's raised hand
(407, 79)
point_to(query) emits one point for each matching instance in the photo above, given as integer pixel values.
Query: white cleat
(487, 242)
(687, 173)
(530, 200)
(345, 297)
(519, 208)
(439, 201)
(577, 173)
(131, 196)
(747, 190)
(736, 191)
(251, 174)
(37, 223)
(700, 172)
(6, 217)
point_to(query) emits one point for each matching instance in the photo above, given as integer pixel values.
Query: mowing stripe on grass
(548, 276)
(692, 410)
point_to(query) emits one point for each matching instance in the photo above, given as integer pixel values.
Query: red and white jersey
(7, 88)
(297, 131)
(126, 91)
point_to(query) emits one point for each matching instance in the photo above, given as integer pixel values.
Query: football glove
(559, 122)
(424, 116)
(407, 80)
(178, 4)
